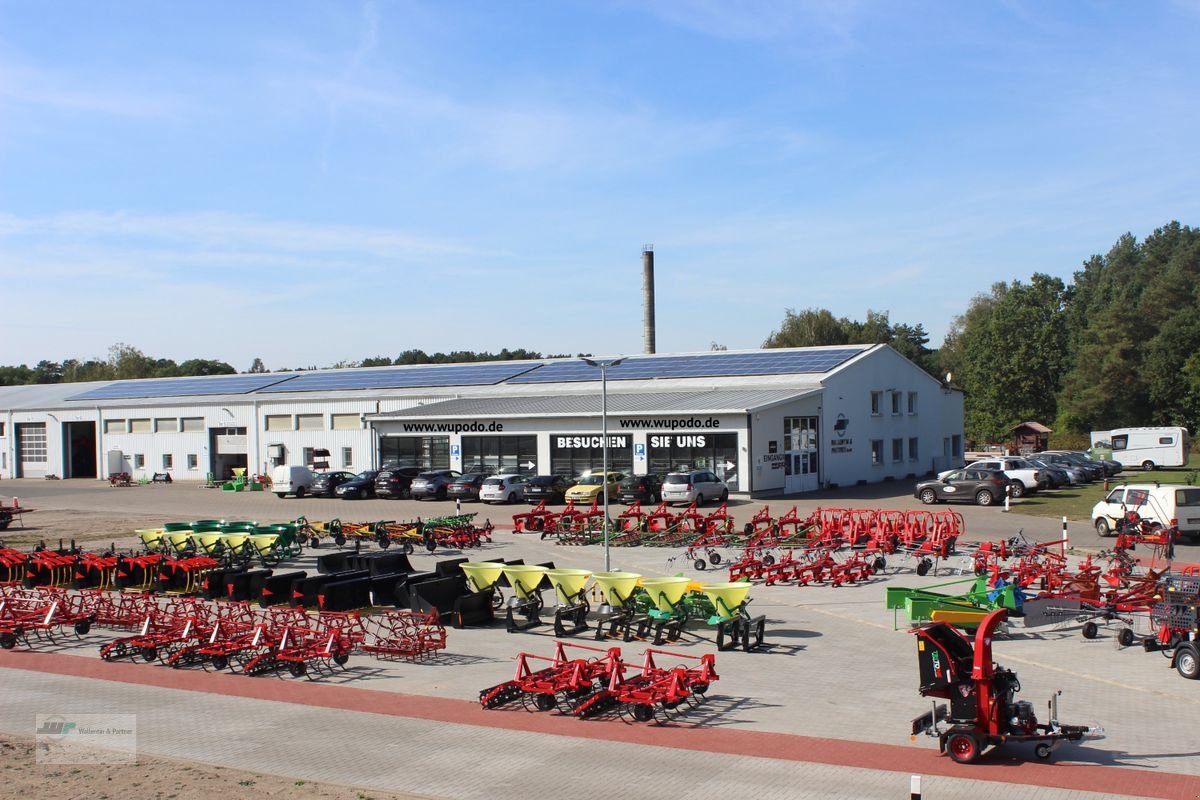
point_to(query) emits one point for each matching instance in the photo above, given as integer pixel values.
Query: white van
(287, 480)
(1146, 448)
(1166, 505)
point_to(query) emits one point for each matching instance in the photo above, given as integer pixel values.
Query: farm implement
(983, 710)
(41, 614)
(603, 683)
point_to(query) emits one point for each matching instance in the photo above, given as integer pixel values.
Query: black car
(550, 488)
(394, 482)
(641, 489)
(983, 487)
(326, 483)
(466, 487)
(362, 486)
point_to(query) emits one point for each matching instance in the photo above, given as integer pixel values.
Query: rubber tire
(1187, 661)
(298, 669)
(699, 500)
(512, 498)
(768, 559)
(7, 641)
(1147, 466)
(341, 658)
(725, 496)
(962, 747)
(984, 498)
(700, 564)
(1042, 750)
(1103, 529)
(544, 702)
(220, 663)
(149, 654)
(642, 712)
(923, 567)
(928, 497)
(281, 495)
(82, 627)
(1125, 637)
(715, 558)
(300, 493)
(1090, 630)
(1016, 489)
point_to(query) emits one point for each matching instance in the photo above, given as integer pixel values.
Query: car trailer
(983, 709)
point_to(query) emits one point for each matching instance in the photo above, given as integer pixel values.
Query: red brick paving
(790, 747)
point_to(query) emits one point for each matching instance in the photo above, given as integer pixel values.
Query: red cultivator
(587, 687)
(538, 519)
(42, 614)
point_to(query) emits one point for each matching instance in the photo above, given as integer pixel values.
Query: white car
(502, 489)
(1023, 476)
(697, 486)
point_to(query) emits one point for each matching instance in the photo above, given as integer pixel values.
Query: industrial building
(767, 421)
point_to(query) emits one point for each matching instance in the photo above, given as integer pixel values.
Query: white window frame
(168, 461)
(193, 462)
(139, 461)
(347, 457)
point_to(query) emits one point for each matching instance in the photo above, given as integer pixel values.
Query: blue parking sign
(639, 451)
(455, 450)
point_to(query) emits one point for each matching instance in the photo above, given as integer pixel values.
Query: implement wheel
(962, 747)
(298, 669)
(8, 640)
(149, 653)
(1090, 630)
(1042, 750)
(82, 627)
(642, 712)
(1187, 661)
(219, 663)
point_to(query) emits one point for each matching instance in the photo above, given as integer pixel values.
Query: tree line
(1119, 345)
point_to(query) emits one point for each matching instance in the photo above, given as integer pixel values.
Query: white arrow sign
(728, 465)
(529, 465)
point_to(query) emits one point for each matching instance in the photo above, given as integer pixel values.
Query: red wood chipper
(983, 708)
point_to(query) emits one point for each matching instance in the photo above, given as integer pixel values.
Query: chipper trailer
(983, 709)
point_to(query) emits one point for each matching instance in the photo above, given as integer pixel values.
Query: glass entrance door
(801, 454)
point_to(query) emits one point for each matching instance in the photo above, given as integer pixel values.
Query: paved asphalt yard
(823, 711)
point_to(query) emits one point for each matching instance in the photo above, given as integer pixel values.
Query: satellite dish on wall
(949, 377)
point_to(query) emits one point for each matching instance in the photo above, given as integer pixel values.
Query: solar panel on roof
(182, 387)
(706, 365)
(484, 374)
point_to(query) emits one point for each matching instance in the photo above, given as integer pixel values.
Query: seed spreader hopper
(983, 709)
(620, 614)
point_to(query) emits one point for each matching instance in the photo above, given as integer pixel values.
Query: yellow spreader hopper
(570, 617)
(524, 579)
(665, 594)
(619, 613)
(734, 624)
(483, 574)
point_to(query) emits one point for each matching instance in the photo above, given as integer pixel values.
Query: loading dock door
(80, 441)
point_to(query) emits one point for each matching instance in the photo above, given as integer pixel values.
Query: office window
(897, 450)
(307, 455)
(140, 426)
(895, 402)
(139, 461)
(956, 445)
(193, 462)
(347, 457)
(912, 402)
(279, 422)
(344, 422)
(876, 403)
(114, 426)
(1, 428)
(191, 424)
(876, 452)
(309, 422)
(912, 449)
(166, 425)
(168, 461)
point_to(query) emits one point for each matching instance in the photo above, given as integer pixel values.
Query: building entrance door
(801, 455)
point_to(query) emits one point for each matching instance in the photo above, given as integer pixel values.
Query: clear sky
(309, 182)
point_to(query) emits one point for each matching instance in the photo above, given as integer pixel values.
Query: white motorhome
(1146, 448)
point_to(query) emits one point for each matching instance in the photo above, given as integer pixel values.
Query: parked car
(1154, 503)
(287, 480)
(1023, 476)
(326, 483)
(1079, 475)
(1095, 471)
(980, 486)
(591, 487)
(362, 486)
(550, 488)
(697, 486)
(434, 483)
(466, 487)
(502, 489)
(641, 489)
(1056, 476)
(394, 482)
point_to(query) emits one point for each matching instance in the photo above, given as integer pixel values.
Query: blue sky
(312, 182)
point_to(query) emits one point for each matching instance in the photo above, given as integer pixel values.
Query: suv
(696, 486)
(640, 489)
(394, 482)
(1024, 477)
(433, 483)
(983, 487)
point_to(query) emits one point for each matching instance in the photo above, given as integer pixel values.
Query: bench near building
(767, 421)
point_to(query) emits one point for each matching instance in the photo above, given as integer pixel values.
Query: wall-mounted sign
(772, 446)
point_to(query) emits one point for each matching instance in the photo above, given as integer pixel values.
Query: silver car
(697, 486)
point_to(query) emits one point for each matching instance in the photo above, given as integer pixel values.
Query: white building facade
(770, 421)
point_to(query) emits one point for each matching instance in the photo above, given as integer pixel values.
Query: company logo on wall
(841, 442)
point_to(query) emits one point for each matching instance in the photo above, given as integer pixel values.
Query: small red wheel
(963, 747)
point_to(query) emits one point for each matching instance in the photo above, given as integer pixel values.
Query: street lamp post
(604, 364)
